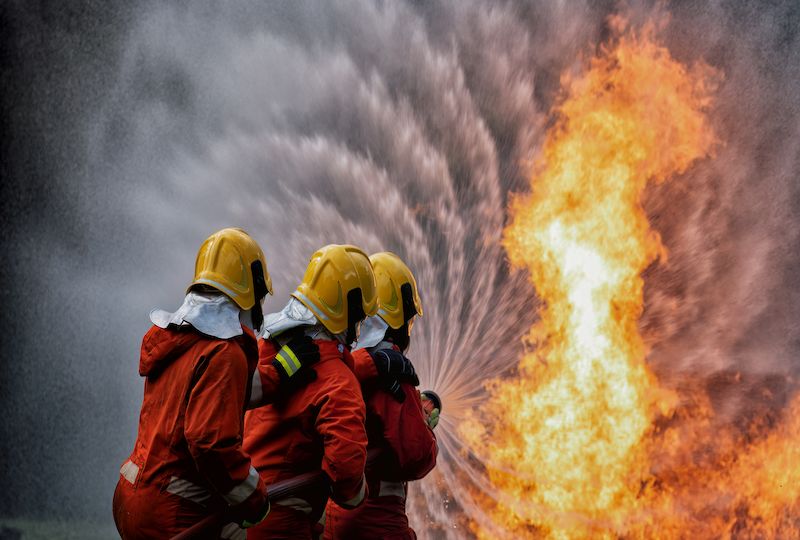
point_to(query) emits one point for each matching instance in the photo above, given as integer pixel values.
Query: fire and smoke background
(134, 129)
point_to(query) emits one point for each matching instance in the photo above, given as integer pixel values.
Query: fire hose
(275, 492)
(279, 490)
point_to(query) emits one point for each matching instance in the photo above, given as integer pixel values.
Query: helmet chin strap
(257, 315)
(246, 318)
(400, 337)
(252, 318)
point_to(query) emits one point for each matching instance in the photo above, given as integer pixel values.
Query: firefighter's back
(319, 427)
(161, 491)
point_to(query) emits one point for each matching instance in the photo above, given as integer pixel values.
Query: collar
(373, 330)
(294, 314)
(382, 346)
(212, 314)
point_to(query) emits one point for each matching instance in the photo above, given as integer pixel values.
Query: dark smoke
(134, 132)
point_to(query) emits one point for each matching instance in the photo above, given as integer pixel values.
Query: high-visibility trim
(232, 531)
(217, 285)
(288, 360)
(189, 490)
(388, 358)
(130, 471)
(286, 366)
(296, 503)
(310, 305)
(293, 356)
(241, 492)
(392, 489)
(256, 390)
(355, 501)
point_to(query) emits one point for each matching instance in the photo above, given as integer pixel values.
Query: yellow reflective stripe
(291, 354)
(289, 369)
(288, 360)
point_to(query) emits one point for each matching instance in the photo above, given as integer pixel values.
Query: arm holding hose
(283, 370)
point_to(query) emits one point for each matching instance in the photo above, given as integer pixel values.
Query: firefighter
(398, 428)
(198, 364)
(320, 426)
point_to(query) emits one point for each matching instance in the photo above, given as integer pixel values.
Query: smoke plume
(393, 126)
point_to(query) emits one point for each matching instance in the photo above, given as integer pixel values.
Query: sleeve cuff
(242, 491)
(358, 498)
(365, 369)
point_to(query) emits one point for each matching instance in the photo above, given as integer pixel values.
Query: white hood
(212, 314)
(293, 315)
(373, 330)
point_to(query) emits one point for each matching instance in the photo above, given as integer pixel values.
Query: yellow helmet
(233, 263)
(333, 274)
(398, 297)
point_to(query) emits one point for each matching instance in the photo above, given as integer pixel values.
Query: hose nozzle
(433, 399)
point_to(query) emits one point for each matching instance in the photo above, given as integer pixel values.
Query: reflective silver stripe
(256, 391)
(241, 492)
(393, 489)
(293, 357)
(218, 286)
(188, 490)
(232, 531)
(310, 305)
(388, 359)
(130, 471)
(301, 505)
(288, 361)
(355, 501)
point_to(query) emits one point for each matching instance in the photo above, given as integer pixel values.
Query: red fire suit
(408, 452)
(188, 460)
(318, 427)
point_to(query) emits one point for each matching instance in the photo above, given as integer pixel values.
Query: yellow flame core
(566, 453)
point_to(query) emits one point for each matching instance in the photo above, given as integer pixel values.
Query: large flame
(571, 448)
(575, 419)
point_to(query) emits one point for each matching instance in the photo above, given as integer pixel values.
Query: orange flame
(568, 454)
(584, 443)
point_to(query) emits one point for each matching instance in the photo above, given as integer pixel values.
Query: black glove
(250, 512)
(393, 365)
(294, 359)
(393, 387)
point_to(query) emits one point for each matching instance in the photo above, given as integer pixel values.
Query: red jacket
(408, 452)
(319, 426)
(188, 456)
(265, 386)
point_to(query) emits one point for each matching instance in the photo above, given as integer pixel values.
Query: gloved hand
(252, 510)
(261, 515)
(294, 359)
(430, 409)
(433, 418)
(392, 365)
(393, 387)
